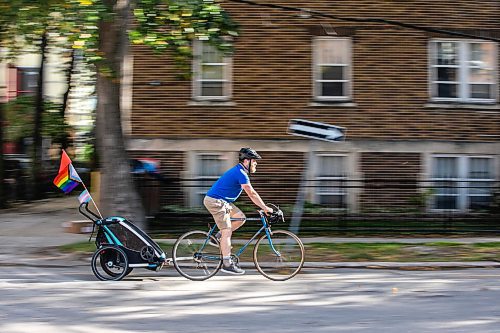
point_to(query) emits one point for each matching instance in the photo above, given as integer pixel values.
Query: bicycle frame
(265, 227)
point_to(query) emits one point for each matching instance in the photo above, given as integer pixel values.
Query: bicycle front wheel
(279, 258)
(196, 258)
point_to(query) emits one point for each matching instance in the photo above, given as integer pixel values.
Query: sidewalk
(31, 232)
(28, 231)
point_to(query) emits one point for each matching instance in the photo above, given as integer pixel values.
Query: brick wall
(272, 77)
(273, 83)
(278, 176)
(390, 181)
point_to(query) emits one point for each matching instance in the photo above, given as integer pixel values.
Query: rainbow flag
(67, 178)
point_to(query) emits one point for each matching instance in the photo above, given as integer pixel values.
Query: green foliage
(160, 24)
(174, 23)
(20, 115)
(8, 18)
(53, 124)
(28, 20)
(494, 245)
(86, 247)
(88, 153)
(420, 200)
(85, 37)
(401, 252)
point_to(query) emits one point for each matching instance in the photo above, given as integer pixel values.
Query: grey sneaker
(232, 269)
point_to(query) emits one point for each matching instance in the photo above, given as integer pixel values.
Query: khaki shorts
(221, 210)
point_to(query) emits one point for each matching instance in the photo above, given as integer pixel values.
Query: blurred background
(419, 104)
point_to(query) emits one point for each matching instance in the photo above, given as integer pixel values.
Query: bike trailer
(121, 246)
(141, 250)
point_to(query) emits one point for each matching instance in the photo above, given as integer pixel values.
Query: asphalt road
(70, 300)
(41, 291)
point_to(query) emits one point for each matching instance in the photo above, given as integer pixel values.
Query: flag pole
(67, 167)
(95, 205)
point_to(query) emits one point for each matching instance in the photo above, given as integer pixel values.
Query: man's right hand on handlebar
(268, 210)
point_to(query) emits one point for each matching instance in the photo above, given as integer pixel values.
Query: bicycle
(196, 254)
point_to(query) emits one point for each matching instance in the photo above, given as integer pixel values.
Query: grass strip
(355, 252)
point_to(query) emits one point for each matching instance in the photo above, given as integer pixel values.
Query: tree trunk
(117, 193)
(37, 132)
(64, 107)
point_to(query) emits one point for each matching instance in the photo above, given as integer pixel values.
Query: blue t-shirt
(228, 186)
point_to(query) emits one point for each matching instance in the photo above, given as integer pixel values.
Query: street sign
(312, 130)
(315, 130)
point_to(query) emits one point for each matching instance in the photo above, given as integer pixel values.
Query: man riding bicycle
(219, 202)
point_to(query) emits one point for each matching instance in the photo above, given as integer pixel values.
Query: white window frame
(195, 188)
(463, 93)
(198, 75)
(347, 73)
(318, 179)
(462, 180)
(200, 189)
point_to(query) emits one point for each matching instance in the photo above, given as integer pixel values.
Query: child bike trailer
(121, 247)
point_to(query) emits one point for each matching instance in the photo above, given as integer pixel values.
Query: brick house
(421, 108)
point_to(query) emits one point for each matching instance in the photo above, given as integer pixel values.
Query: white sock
(226, 260)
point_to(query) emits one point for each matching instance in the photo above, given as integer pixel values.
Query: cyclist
(219, 202)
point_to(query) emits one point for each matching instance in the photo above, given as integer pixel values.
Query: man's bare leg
(225, 244)
(238, 223)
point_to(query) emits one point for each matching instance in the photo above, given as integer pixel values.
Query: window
(462, 182)
(445, 180)
(332, 68)
(463, 71)
(330, 181)
(212, 73)
(27, 80)
(210, 167)
(480, 182)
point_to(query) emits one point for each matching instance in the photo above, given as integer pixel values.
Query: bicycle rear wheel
(281, 258)
(194, 257)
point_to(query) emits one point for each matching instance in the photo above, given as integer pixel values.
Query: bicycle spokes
(281, 257)
(193, 259)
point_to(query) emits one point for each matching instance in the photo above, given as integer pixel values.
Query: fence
(345, 206)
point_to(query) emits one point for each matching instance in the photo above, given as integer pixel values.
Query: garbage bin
(145, 171)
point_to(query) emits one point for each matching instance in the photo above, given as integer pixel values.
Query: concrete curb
(71, 260)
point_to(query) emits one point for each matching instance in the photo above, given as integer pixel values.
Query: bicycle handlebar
(274, 217)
